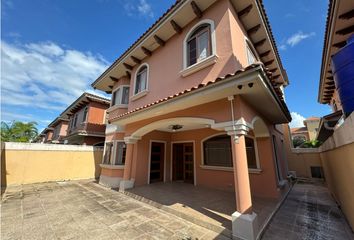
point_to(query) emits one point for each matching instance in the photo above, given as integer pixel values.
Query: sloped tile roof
(202, 85)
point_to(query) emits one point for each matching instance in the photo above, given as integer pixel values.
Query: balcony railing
(88, 128)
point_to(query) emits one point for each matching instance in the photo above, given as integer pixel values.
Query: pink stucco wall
(166, 63)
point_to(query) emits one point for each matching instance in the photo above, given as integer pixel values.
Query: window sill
(139, 95)
(230, 169)
(116, 107)
(198, 66)
(109, 166)
(217, 168)
(255, 170)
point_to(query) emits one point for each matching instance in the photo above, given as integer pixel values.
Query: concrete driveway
(308, 213)
(85, 210)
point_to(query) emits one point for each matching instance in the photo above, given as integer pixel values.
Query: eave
(83, 101)
(267, 50)
(340, 20)
(182, 13)
(251, 82)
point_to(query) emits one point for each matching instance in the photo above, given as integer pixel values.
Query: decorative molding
(199, 66)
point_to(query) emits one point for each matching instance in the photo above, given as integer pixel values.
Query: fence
(23, 163)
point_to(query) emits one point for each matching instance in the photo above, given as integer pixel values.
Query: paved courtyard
(85, 210)
(308, 213)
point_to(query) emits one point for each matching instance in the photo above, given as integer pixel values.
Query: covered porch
(218, 138)
(207, 207)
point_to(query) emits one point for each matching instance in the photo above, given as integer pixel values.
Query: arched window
(199, 44)
(217, 151)
(141, 79)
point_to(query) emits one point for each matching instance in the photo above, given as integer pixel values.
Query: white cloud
(282, 47)
(45, 75)
(297, 120)
(298, 37)
(138, 8)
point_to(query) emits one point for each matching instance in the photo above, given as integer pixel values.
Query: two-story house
(198, 98)
(86, 120)
(59, 126)
(46, 135)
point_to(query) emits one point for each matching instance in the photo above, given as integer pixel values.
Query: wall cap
(49, 147)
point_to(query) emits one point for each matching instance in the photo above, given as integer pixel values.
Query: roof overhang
(257, 15)
(82, 101)
(48, 129)
(327, 125)
(339, 26)
(258, 92)
(57, 121)
(182, 13)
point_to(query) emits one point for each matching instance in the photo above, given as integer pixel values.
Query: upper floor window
(120, 96)
(141, 79)
(84, 116)
(75, 120)
(199, 44)
(251, 56)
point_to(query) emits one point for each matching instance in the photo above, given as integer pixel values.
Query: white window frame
(120, 105)
(104, 153)
(113, 154)
(256, 152)
(187, 70)
(252, 50)
(143, 92)
(211, 167)
(86, 117)
(229, 169)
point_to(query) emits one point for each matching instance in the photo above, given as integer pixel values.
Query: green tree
(18, 131)
(311, 144)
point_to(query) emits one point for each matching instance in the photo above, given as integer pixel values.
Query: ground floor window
(114, 153)
(251, 153)
(107, 153)
(217, 151)
(120, 153)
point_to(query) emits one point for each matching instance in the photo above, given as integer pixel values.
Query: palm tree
(18, 131)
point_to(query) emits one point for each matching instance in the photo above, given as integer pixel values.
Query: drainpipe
(231, 99)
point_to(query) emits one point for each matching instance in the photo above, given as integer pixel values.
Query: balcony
(86, 128)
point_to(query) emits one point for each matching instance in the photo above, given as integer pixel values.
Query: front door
(183, 168)
(157, 162)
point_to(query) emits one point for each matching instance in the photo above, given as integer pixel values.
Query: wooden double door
(182, 162)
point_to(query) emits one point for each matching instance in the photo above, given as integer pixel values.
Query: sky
(52, 50)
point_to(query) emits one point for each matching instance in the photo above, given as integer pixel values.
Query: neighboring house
(86, 120)
(48, 135)
(336, 130)
(312, 124)
(59, 126)
(300, 133)
(309, 132)
(198, 98)
(40, 138)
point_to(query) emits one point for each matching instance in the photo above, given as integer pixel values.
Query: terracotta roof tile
(199, 86)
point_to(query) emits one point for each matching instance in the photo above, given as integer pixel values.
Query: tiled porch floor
(204, 205)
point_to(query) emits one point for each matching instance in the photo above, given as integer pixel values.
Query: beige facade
(23, 163)
(312, 125)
